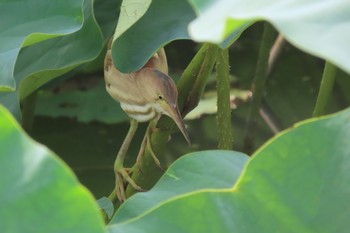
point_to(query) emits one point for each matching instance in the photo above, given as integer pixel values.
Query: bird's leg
(141, 152)
(146, 143)
(150, 149)
(121, 174)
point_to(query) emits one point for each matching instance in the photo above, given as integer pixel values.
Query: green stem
(113, 197)
(203, 75)
(275, 52)
(224, 110)
(28, 111)
(189, 75)
(201, 66)
(258, 85)
(326, 89)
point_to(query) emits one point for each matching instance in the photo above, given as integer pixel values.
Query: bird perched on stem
(144, 95)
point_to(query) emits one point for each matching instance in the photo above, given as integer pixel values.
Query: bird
(144, 95)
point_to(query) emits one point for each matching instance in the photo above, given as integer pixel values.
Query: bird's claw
(122, 180)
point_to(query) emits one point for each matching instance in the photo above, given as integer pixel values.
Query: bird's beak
(174, 113)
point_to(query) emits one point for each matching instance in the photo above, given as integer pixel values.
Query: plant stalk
(275, 52)
(326, 89)
(224, 124)
(203, 68)
(188, 77)
(260, 78)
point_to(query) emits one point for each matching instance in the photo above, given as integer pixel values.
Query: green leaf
(321, 28)
(142, 29)
(189, 174)
(106, 205)
(92, 105)
(11, 101)
(56, 56)
(73, 50)
(163, 22)
(39, 193)
(106, 14)
(297, 182)
(132, 11)
(31, 21)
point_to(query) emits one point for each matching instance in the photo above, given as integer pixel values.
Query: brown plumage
(144, 95)
(147, 93)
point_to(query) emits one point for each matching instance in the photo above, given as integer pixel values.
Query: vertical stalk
(259, 85)
(189, 75)
(197, 88)
(275, 52)
(326, 89)
(223, 93)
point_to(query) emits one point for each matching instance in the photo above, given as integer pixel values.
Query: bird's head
(161, 92)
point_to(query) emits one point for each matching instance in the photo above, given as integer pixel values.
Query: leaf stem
(326, 89)
(189, 75)
(202, 67)
(223, 102)
(275, 52)
(260, 78)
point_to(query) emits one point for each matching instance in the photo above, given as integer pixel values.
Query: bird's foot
(123, 178)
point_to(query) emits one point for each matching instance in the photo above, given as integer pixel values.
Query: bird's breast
(141, 113)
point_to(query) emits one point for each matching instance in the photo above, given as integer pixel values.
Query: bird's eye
(160, 97)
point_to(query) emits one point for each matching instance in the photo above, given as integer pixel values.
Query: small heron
(144, 95)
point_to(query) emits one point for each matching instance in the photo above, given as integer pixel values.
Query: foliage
(293, 183)
(296, 182)
(36, 184)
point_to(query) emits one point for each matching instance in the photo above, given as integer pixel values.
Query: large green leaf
(132, 11)
(28, 22)
(297, 182)
(163, 22)
(145, 27)
(39, 193)
(321, 28)
(106, 14)
(41, 62)
(189, 174)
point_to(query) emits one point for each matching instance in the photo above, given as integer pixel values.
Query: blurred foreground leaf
(300, 22)
(39, 193)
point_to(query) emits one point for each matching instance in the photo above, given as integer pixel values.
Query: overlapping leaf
(41, 62)
(297, 182)
(142, 29)
(164, 21)
(189, 174)
(29, 22)
(321, 28)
